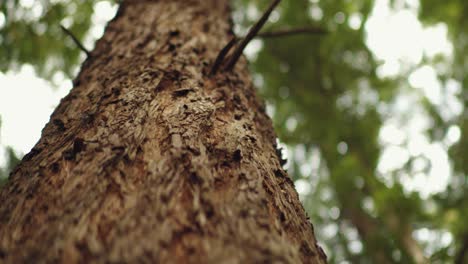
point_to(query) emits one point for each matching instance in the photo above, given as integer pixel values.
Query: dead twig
(292, 31)
(222, 54)
(254, 32)
(232, 60)
(77, 42)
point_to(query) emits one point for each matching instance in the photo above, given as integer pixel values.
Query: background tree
(331, 107)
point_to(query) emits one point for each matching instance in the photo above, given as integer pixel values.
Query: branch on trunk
(252, 33)
(222, 54)
(292, 31)
(269, 34)
(77, 42)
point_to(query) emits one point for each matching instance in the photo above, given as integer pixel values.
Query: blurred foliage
(454, 13)
(11, 161)
(453, 204)
(328, 105)
(31, 34)
(327, 98)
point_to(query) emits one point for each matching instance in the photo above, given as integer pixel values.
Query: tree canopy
(366, 144)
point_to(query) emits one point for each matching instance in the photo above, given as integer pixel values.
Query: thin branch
(252, 33)
(222, 54)
(77, 42)
(292, 31)
(269, 34)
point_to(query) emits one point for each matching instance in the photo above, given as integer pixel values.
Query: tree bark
(149, 159)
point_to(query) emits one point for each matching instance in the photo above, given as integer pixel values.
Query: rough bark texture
(150, 160)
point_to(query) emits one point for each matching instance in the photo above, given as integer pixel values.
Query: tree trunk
(148, 159)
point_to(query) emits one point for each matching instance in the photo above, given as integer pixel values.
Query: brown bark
(148, 159)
